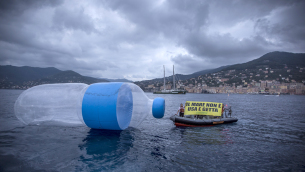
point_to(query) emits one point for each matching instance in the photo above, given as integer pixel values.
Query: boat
(273, 94)
(170, 92)
(173, 91)
(204, 114)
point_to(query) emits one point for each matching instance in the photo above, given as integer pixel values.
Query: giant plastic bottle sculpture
(112, 106)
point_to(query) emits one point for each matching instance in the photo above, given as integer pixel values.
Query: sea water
(269, 136)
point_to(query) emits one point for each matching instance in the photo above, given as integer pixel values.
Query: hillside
(18, 75)
(181, 76)
(25, 77)
(116, 80)
(69, 76)
(273, 60)
(281, 67)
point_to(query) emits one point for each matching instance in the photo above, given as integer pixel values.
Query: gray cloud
(134, 38)
(284, 25)
(17, 7)
(74, 19)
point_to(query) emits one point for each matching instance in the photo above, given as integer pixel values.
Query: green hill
(183, 77)
(274, 60)
(278, 66)
(116, 80)
(18, 75)
(26, 77)
(69, 76)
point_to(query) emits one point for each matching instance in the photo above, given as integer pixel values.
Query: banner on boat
(203, 108)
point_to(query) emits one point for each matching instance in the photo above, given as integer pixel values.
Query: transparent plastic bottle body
(124, 105)
(50, 102)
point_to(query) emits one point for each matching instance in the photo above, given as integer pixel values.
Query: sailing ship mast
(164, 78)
(174, 77)
(172, 91)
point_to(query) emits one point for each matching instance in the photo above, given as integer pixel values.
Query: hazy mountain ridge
(26, 77)
(186, 77)
(117, 80)
(274, 60)
(18, 75)
(70, 76)
(279, 66)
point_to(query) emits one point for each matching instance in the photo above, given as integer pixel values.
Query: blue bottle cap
(158, 107)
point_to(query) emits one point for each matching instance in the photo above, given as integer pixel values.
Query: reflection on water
(207, 136)
(101, 147)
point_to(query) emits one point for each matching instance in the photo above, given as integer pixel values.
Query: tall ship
(172, 91)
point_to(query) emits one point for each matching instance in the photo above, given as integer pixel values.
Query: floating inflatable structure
(111, 106)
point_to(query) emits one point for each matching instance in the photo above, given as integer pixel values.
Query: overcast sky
(133, 39)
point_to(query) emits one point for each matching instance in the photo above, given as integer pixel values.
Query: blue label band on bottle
(99, 107)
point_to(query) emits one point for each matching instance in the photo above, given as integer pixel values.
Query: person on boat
(223, 109)
(230, 111)
(181, 110)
